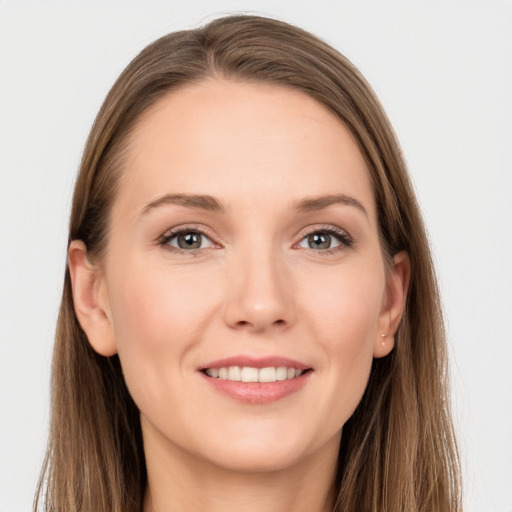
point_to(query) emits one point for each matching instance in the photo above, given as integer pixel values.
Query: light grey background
(442, 69)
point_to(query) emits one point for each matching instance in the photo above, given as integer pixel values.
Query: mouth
(256, 380)
(253, 374)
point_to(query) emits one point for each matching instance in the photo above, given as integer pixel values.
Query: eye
(186, 240)
(326, 240)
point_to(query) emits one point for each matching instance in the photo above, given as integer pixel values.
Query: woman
(250, 318)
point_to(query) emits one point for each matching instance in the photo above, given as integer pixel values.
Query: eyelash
(173, 233)
(345, 240)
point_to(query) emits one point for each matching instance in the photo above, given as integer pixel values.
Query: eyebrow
(311, 204)
(202, 202)
(209, 203)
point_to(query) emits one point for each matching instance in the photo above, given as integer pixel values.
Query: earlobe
(90, 300)
(394, 304)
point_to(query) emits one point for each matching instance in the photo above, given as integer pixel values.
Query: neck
(179, 482)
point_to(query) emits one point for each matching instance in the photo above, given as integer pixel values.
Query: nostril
(243, 323)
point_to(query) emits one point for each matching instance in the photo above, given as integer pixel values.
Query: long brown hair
(397, 451)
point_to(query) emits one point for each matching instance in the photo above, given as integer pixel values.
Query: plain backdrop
(442, 69)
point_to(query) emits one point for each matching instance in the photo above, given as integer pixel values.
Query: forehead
(236, 140)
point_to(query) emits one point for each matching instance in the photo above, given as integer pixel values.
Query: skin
(255, 287)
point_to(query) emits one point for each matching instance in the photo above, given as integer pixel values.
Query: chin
(258, 453)
(260, 459)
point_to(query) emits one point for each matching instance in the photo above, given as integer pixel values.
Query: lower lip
(258, 392)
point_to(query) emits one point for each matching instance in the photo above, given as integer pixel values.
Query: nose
(259, 295)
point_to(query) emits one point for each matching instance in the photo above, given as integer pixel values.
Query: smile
(256, 380)
(251, 374)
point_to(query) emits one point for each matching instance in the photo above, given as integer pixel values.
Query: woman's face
(244, 236)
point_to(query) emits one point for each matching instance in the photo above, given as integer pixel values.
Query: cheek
(158, 322)
(155, 308)
(158, 319)
(140, 310)
(345, 322)
(345, 306)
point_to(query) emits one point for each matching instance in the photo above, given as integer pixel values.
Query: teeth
(234, 373)
(281, 373)
(267, 375)
(249, 374)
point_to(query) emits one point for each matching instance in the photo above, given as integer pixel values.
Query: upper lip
(256, 362)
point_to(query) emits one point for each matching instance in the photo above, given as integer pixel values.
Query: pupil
(189, 241)
(319, 241)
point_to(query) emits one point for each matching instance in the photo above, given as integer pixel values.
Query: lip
(257, 393)
(256, 362)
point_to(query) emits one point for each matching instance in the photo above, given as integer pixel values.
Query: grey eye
(189, 240)
(319, 240)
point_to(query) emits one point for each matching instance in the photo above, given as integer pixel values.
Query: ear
(90, 300)
(393, 305)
